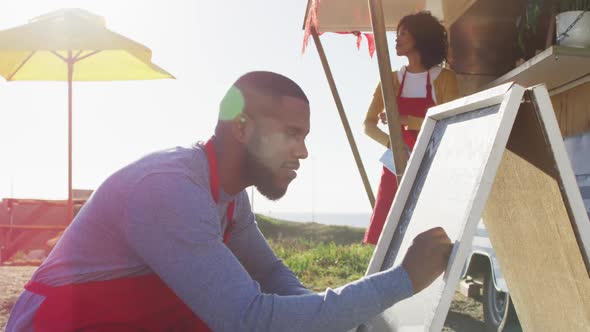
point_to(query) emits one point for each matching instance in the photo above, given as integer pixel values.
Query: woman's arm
(372, 119)
(450, 88)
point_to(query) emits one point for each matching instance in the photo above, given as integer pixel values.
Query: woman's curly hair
(430, 37)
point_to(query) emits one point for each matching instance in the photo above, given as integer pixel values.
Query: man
(169, 243)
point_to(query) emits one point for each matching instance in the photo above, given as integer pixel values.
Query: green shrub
(323, 265)
(321, 256)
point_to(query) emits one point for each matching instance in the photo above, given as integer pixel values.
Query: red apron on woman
(143, 303)
(416, 107)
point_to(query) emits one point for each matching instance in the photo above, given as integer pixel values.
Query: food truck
(491, 42)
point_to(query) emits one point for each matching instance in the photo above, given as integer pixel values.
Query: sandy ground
(465, 315)
(12, 281)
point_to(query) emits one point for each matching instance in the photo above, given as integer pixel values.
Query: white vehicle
(482, 266)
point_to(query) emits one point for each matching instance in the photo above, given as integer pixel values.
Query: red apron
(416, 107)
(143, 303)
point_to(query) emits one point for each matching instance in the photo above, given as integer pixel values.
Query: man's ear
(242, 127)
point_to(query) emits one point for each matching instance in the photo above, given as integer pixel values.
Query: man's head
(267, 115)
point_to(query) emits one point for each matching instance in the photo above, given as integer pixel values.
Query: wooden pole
(389, 99)
(343, 118)
(70, 212)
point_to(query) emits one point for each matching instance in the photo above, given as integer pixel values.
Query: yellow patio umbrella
(73, 45)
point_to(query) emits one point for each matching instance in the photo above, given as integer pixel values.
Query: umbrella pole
(70, 212)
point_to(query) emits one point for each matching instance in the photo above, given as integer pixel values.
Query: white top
(415, 85)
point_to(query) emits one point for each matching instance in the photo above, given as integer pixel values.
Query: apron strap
(428, 86)
(214, 186)
(401, 87)
(39, 288)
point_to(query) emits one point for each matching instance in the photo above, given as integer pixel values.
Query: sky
(206, 45)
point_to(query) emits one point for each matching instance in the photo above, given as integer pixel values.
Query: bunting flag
(312, 20)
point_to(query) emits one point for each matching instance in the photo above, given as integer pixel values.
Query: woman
(424, 83)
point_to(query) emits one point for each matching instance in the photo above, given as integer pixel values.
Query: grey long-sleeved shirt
(157, 215)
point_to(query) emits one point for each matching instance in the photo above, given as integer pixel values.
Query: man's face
(276, 146)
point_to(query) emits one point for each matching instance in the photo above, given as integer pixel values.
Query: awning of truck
(352, 16)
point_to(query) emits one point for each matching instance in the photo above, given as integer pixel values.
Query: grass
(321, 256)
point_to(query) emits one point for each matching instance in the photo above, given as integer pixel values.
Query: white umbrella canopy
(353, 15)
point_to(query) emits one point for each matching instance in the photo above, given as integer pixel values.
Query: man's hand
(427, 257)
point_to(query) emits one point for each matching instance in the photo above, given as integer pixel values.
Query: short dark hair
(430, 37)
(265, 82)
(271, 83)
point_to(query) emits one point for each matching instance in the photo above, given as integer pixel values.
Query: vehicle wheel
(494, 306)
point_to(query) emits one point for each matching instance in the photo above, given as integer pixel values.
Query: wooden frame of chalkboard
(449, 179)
